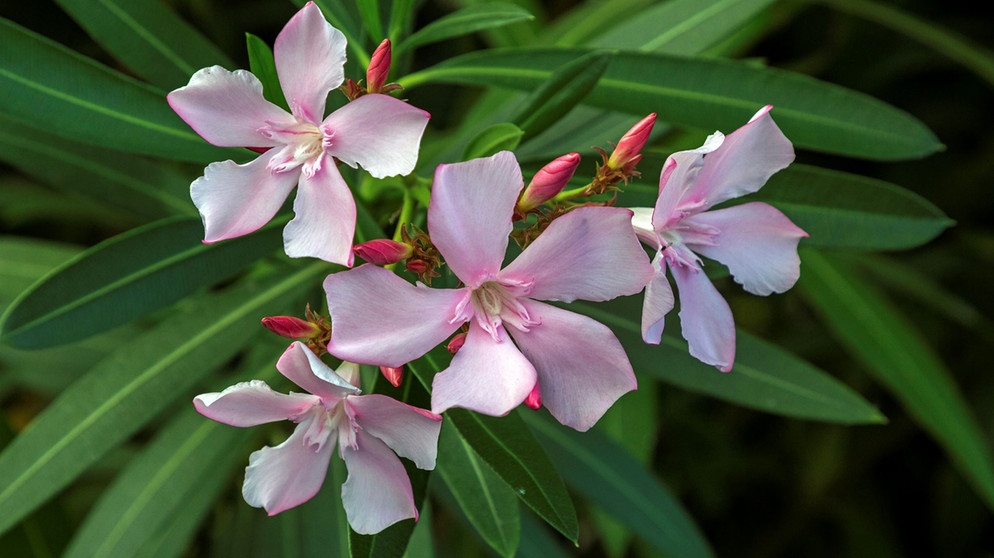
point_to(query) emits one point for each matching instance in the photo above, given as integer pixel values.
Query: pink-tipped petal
(227, 108)
(380, 319)
(469, 217)
(310, 62)
(235, 200)
(582, 368)
(677, 178)
(379, 133)
(252, 403)
(591, 253)
(324, 221)
(748, 157)
(657, 303)
(302, 367)
(378, 492)
(705, 318)
(288, 475)
(757, 242)
(486, 376)
(409, 431)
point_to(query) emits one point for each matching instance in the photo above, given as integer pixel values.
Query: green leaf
(401, 20)
(465, 21)
(263, 66)
(897, 355)
(765, 377)
(489, 504)
(566, 87)
(709, 94)
(126, 277)
(607, 475)
(149, 38)
(499, 137)
(369, 11)
(509, 447)
(50, 87)
(127, 389)
(537, 542)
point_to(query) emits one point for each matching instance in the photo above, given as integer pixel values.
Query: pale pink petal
(378, 492)
(748, 157)
(227, 108)
(380, 319)
(302, 367)
(310, 61)
(379, 133)
(486, 376)
(288, 475)
(757, 242)
(657, 303)
(582, 368)
(705, 318)
(469, 217)
(235, 200)
(642, 223)
(252, 403)
(591, 253)
(409, 431)
(324, 221)
(676, 179)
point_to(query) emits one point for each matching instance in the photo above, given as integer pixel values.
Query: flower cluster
(512, 339)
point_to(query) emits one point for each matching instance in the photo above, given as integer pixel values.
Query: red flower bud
(379, 67)
(393, 375)
(290, 327)
(383, 251)
(548, 181)
(456, 342)
(534, 399)
(417, 266)
(631, 143)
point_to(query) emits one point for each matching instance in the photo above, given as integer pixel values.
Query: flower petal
(378, 492)
(288, 475)
(227, 108)
(705, 318)
(469, 217)
(377, 132)
(757, 242)
(302, 367)
(657, 303)
(746, 159)
(582, 368)
(679, 173)
(235, 200)
(590, 253)
(324, 224)
(486, 376)
(409, 431)
(310, 62)
(380, 319)
(252, 403)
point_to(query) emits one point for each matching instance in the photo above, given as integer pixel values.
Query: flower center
(303, 146)
(494, 304)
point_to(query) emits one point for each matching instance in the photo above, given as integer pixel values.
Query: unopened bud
(456, 342)
(291, 327)
(548, 181)
(393, 374)
(417, 266)
(631, 143)
(534, 399)
(379, 67)
(383, 251)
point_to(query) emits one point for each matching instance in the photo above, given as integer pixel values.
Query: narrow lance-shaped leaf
(263, 66)
(566, 87)
(880, 337)
(490, 140)
(369, 11)
(465, 21)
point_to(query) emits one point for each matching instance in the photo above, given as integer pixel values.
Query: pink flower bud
(456, 342)
(392, 374)
(417, 266)
(290, 327)
(534, 399)
(383, 251)
(631, 143)
(379, 67)
(548, 181)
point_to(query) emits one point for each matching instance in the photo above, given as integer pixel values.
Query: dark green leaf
(499, 137)
(263, 66)
(465, 21)
(566, 87)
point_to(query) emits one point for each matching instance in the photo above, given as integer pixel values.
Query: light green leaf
(401, 20)
(709, 94)
(499, 137)
(566, 87)
(879, 336)
(369, 11)
(607, 475)
(263, 66)
(47, 86)
(126, 277)
(465, 21)
(147, 37)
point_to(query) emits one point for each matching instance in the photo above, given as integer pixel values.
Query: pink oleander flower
(302, 148)
(368, 430)
(754, 240)
(514, 341)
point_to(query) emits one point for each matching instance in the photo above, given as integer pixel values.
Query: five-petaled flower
(578, 364)
(754, 240)
(301, 148)
(366, 428)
